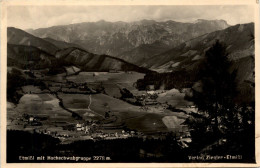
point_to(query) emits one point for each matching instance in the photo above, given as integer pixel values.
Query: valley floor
(101, 109)
(72, 108)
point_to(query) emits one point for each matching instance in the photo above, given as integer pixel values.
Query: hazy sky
(25, 17)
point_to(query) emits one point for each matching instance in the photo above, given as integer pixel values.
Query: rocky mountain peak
(119, 38)
(220, 22)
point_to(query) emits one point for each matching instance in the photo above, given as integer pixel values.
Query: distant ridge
(134, 41)
(187, 56)
(92, 62)
(61, 44)
(26, 51)
(20, 37)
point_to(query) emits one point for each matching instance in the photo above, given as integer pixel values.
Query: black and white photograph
(130, 83)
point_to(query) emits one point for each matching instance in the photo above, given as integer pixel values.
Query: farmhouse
(80, 127)
(152, 92)
(150, 87)
(112, 134)
(113, 71)
(129, 72)
(132, 133)
(31, 119)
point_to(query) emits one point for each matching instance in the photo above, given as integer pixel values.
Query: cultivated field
(173, 97)
(107, 108)
(43, 106)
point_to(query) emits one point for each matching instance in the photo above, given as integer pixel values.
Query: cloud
(25, 17)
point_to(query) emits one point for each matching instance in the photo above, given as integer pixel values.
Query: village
(94, 130)
(102, 128)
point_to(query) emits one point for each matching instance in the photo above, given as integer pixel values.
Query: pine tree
(217, 86)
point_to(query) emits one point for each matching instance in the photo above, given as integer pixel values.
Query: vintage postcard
(126, 83)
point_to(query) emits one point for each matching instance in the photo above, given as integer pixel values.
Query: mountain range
(26, 51)
(239, 40)
(146, 45)
(134, 42)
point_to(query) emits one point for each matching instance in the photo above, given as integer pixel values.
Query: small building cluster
(95, 132)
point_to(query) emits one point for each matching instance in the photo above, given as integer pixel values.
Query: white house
(31, 119)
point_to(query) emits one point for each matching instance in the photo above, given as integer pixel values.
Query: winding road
(90, 101)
